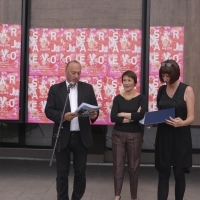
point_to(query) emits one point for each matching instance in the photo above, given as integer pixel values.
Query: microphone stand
(57, 144)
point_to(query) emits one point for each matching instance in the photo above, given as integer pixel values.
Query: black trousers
(79, 151)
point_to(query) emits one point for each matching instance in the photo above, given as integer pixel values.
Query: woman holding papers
(173, 145)
(128, 108)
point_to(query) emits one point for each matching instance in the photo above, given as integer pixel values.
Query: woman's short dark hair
(130, 74)
(171, 68)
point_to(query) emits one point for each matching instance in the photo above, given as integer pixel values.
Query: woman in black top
(173, 145)
(128, 108)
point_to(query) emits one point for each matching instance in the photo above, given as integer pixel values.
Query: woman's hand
(175, 122)
(139, 109)
(121, 114)
(126, 116)
(127, 120)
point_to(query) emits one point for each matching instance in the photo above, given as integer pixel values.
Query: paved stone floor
(35, 180)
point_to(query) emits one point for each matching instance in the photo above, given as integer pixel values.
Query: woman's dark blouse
(128, 106)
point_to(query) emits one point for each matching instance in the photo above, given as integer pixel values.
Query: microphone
(71, 85)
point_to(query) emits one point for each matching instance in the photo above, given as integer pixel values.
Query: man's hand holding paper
(69, 116)
(86, 109)
(93, 115)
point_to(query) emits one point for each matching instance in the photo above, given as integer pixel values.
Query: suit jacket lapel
(63, 88)
(80, 93)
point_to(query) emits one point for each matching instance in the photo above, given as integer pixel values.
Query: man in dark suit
(75, 134)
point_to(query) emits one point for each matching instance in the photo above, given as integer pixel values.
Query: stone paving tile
(35, 180)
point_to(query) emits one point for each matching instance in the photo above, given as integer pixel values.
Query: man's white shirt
(73, 98)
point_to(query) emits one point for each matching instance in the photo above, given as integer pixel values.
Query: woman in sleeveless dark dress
(173, 145)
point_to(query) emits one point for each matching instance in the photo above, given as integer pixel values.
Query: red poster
(67, 48)
(165, 43)
(44, 51)
(98, 83)
(124, 51)
(38, 88)
(112, 87)
(92, 50)
(10, 52)
(10, 47)
(9, 95)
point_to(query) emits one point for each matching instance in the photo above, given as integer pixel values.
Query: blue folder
(156, 117)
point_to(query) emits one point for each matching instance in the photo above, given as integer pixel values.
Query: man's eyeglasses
(167, 64)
